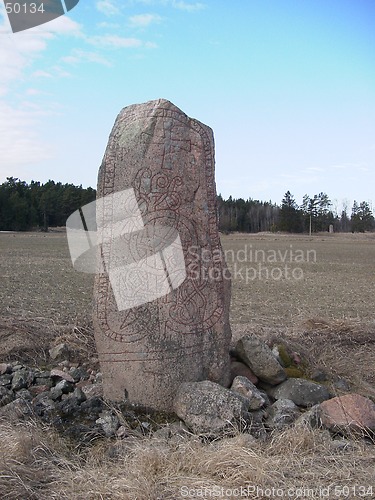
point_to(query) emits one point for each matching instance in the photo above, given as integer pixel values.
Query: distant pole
(310, 226)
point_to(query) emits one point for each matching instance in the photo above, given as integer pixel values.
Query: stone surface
(79, 373)
(79, 395)
(6, 396)
(24, 394)
(4, 368)
(351, 412)
(35, 390)
(208, 408)
(43, 381)
(341, 384)
(319, 375)
(17, 409)
(260, 359)
(22, 378)
(92, 390)
(109, 423)
(239, 369)
(282, 413)
(243, 386)
(165, 162)
(302, 392)
(60, 352)
(6, 380)
(56, 373)
(62, 387)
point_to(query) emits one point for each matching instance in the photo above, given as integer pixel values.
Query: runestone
(148, 346)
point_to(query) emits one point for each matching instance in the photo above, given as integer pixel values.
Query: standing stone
(163, 161)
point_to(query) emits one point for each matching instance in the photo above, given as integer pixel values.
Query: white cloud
(41, 74)
(60, 72)
(33, 92)
(177, 4)
(107, 7)
(106, 25)
(188, 7)
(60, 26)
(363, 167)
(19, 143)
(143, 20)
(114, 41)
(78, 56)
(19, 51)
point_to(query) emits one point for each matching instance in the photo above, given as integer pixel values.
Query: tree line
(314, 215)
(39, 206)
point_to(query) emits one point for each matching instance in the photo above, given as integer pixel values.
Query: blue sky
(287, 86)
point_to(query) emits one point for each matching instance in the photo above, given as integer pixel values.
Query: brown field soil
(327, 276)
(324, 308)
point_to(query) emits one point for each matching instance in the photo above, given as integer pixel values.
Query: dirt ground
(277, 279)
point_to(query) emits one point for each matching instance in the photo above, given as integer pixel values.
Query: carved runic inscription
(167, 159)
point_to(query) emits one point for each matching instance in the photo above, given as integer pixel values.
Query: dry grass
(328, 317)
(36, 463)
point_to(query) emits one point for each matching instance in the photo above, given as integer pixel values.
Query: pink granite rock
(349, 412)
(162, 292)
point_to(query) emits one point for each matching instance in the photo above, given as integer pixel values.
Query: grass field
(323, 304)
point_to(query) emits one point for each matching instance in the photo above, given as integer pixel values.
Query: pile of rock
(56, 395)
(262, 397)
(69, 396)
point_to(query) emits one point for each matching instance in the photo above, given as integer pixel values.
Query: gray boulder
(6, 396)
(62, 387)
(108, 422)
(210, 409)
(302, 392)
(282, 413)
(60, 352)
(243, 386)
(6, 380)
(260, 359)
(22, 379)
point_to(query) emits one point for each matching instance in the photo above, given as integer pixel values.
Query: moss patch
(294, 372)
